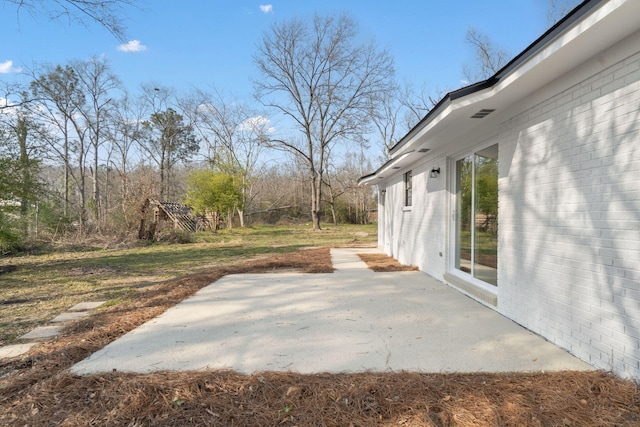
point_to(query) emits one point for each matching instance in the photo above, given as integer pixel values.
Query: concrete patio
(352, 320)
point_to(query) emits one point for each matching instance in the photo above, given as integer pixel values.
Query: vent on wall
(482, 113)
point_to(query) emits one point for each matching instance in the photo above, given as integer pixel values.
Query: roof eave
(551, 34)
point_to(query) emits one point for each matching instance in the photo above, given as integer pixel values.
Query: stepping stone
(14, 350)
(42, 332)
(84, 306)
(65, 317)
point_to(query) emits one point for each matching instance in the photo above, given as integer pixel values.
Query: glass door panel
(477, 215)
(464, 180)
(485, 252)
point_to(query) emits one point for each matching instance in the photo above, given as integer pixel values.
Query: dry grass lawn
(38, 390)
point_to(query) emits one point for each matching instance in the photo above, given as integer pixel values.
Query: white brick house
(523, 191)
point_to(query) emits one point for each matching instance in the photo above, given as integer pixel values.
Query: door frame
(463, 280)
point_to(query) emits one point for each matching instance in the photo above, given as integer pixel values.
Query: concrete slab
(67, 316)
(85, 306)
(15, 350)
(42, 332)
(347, 260)
(349, 321)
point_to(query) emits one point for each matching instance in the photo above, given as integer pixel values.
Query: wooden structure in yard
(179, 215)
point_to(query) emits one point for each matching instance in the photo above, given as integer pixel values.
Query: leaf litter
(38, 389)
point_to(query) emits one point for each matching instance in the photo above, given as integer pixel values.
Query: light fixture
(383, 192)
(434, 172)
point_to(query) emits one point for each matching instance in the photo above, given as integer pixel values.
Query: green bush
(10, 239)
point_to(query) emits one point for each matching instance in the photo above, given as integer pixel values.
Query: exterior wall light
(435, 172)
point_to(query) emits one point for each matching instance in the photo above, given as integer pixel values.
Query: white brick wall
(569, 221)
(418, 235)
(569, 215)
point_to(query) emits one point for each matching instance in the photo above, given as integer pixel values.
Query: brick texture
(569, 221)
(569, 217)
(417, 235)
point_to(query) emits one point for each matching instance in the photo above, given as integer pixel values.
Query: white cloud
(7, 67)
(266, 8)
(258, 124)
(132, 46)
(4, 102)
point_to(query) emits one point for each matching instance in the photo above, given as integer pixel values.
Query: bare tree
(348, 201)
(124, 135)
(105, 12)
(489, 57)
(417, 102)
(396, 112)
(386, 118)
(316, 75)
(168, 141)
(233, 133)
(98, 84)
(20, 151)
(57, 100)
(8, 95)
(558, 9)
(155, 97)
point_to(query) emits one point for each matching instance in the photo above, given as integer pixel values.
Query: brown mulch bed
(381, 263)
(38, 390)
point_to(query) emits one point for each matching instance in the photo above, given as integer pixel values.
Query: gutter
(551, 34)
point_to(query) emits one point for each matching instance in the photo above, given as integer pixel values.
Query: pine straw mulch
(382, 263)
(38, 390)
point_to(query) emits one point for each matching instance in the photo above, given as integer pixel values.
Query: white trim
(474, 288)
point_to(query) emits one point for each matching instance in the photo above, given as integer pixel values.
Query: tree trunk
(241, 217)
(215, 221)
(332, 205)
(244, 203)
(104, 199)
(143, 215)
(230, 219)
(21, 132)
(124, 196)
(316, 194)
(95, 189)
(162, 178)
(81, 189)
(66, 169)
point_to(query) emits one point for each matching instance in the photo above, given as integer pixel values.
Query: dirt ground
(38, 390)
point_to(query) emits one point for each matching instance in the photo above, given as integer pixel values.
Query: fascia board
(558, 45)
(383, 169)
(523, 75)
(516, 76)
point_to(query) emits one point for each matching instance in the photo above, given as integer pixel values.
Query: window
(408, 184)
(477, 215)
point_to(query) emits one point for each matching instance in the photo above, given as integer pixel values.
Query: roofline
(385, 166)
(576, 14)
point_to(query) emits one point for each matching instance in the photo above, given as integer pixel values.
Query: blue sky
(210, 43)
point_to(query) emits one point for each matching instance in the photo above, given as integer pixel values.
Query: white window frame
(407, 179)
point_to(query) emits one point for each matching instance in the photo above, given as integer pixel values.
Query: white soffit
(602, 27)
(605, 26)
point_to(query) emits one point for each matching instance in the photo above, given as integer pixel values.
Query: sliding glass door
(477, 215)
